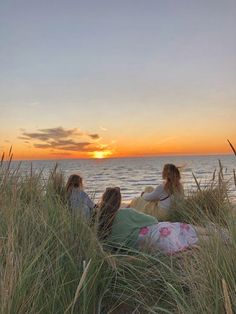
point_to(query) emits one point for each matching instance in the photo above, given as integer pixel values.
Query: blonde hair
(172, 176)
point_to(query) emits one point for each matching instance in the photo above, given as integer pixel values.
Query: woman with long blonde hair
(171, 175)
(159, 201)
(166, 192)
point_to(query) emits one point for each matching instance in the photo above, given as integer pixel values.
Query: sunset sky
(117, 78)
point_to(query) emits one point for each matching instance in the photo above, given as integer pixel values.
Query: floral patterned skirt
(169, 237)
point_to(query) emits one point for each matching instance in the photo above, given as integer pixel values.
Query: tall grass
(210, 202)
(51, 262)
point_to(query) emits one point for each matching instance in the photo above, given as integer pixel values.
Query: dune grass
(51, 262)
(204, 204)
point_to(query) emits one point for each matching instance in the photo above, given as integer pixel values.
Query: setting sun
(98, 155)
(101, 154)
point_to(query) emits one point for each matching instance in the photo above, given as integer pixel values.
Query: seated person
(79, 202)
(132, 229)
(158, 201)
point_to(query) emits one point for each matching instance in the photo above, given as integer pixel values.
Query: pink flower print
(143, 231)
(165, 231)
(184, 226)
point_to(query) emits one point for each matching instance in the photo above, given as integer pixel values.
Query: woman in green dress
(127, 227)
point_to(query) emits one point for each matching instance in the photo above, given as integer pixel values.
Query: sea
(132, 175)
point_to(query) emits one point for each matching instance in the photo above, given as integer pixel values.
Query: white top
(80, 202)
(159, 194)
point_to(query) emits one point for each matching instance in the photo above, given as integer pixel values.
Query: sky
(120, 78)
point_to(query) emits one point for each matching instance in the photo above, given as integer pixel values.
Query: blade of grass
(3, 154)
(231, 145)
(234, 177)
(227, 303)
(79, 287)
(10, 150)
(196, 181)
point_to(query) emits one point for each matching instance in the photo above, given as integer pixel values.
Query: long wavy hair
(74, 181)
(110, 203)
(172, 176)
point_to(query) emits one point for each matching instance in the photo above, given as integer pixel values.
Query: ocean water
(132, 175)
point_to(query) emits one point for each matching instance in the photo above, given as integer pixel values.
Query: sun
(98, 155)
(101, 154)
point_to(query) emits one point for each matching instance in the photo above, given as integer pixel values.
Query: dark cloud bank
(62, 139)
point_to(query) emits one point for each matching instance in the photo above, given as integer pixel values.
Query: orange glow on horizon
(123, 148)
(17, 155)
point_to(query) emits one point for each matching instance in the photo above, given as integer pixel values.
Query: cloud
(62, 154)
(69, 145)
(103, 146)
(94, 136)
(53, 133)
(62, 139)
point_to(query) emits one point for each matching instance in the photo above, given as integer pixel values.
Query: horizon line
(130, 156)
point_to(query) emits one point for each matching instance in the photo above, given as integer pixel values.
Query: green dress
(126, 227)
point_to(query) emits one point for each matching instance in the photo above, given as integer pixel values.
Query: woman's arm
(155, 195)
(87, 200)
(90, 203)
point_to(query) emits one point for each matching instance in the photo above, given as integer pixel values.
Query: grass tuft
(51, 262)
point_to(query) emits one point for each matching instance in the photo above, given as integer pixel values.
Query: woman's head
(74, 181)
(172, 176)
(111, 197)
(110, 203)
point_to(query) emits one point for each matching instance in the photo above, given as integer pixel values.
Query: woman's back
(126, 226)
(80, 203)
(166, 194)
(159, 194)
